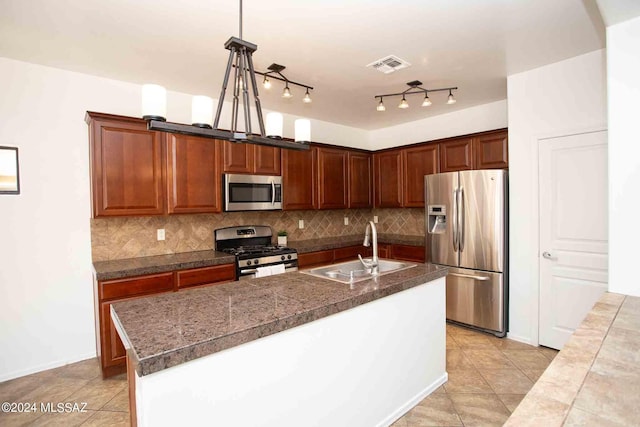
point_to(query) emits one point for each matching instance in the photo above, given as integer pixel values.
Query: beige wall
(131, 237)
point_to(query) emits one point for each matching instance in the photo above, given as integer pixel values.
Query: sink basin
(354, 271)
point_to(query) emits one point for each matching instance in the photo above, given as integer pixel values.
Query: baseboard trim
(44, 367)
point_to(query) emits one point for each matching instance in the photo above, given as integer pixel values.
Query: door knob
(547, 255)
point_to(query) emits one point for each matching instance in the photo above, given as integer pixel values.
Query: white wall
(470, 120)
(623, 79)
(46, 292)
(557, 99)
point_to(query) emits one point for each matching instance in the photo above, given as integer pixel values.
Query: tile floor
(107, 401)
(488, 377)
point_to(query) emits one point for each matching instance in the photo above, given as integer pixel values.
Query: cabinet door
(193, 175)
(456, 155)
(299, 179)
(112, 351)
(266, 160)
(491, 151)
(408, 253)
(332, 178)
(418, 162)
(388, 179)
(360, 180)
(237, 157)
(126, 167)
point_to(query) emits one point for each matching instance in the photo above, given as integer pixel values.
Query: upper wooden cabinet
(250, 159)
(488, 150)
(299, 179)
(360, 180)
(387, 172)
(492, 150)
(332, 178)
(127, 176)
(193, 182)
(456, 155)
(418, 162)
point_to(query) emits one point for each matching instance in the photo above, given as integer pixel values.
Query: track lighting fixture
(275, 72)
(416, 87)
(243, 80)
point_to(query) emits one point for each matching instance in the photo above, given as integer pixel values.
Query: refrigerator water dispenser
(437, 219)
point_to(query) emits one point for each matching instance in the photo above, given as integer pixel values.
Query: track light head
(307, 98)
(286, 93)
(380, 106)
(450, 98)
(266, 83)
(403, 104)
(426, 102)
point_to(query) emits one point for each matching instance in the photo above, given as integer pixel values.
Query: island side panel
(365, 366)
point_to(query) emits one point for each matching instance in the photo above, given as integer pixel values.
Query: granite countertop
(121, 268)
(313, 245)
(595, 379)
(169, 329)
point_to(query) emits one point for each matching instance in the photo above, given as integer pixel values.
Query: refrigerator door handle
(455, 220)
(470, 276)
(461, 219)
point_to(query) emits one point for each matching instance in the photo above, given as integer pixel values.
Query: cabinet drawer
(142, 285)
(408, 253)
(315, 258)
(206, 275)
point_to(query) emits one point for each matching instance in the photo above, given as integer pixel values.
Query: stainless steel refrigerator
(466, 229)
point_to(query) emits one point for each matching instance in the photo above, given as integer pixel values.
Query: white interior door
(573, 231)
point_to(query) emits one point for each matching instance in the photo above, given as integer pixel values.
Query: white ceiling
(472, 44)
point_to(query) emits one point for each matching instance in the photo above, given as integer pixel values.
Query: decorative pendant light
(243, 80)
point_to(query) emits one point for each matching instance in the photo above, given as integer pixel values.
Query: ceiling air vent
(389, 64)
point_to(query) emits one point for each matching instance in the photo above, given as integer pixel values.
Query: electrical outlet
(346, 220)
(375, 219)
(160, 233)
(301, 223)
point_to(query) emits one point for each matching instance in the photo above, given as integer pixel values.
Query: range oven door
(252, 192)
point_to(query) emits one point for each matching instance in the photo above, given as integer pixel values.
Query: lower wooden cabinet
(110, 349)
(391, 251)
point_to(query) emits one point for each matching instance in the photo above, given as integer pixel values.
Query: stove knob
(282, 257)
(288, 256)
(248, 262)
(255, 261)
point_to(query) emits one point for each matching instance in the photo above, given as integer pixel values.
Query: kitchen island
(290, 349)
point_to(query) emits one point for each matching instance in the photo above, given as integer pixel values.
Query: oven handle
(288, 267)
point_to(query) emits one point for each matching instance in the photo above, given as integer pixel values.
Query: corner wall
(557, 99)
(623, 83)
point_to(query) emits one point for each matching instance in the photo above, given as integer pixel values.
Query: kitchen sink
(354, 271)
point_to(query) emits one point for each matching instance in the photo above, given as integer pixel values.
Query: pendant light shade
(266, 83)
(302, 131)
(403, 104)
(154, 102)
(274, 125)
(202, 111)
(427, 101)
(307, 98)
(380, 106)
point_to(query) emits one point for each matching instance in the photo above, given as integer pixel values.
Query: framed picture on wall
(9, 171)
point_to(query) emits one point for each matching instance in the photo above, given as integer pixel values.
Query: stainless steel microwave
(252, 192)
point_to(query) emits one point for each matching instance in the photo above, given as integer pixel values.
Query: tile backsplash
(131, 237)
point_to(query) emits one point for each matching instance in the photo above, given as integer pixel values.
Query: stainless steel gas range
(252, 247)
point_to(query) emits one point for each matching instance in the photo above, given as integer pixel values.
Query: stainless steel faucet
(371, 237)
